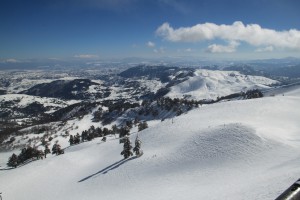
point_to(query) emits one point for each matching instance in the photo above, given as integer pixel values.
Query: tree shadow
(8, 168)
(109, 168)
(26, 162)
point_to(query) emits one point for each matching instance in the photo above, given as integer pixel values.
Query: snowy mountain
(210, 134)
(229, 150)
(208, 84)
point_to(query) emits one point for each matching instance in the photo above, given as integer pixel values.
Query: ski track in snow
(234, 150)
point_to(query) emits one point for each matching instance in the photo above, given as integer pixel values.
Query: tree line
(29, 153)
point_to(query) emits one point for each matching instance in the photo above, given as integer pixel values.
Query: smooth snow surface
(208, 84)
(231, 150)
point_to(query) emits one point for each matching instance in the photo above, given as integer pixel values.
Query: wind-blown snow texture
(231, 150)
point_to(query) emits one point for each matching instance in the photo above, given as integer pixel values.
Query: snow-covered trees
(26, 154)
(46, 151)
(71, 140)
(56, 149)
(124, 131)
(142, 126)
(77, 139)
(84, 136)
(252, 94)
(137, 148)
(13, 161)
(127, 148)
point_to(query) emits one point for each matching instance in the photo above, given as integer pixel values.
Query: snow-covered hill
(208, 84)
(229, 150)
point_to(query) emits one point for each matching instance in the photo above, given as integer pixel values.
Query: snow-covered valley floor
(231, 150)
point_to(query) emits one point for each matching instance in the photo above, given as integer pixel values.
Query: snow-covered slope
(208, 84)
(231, 150)
(23, 100)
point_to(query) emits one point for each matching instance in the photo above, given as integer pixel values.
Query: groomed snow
(231, 150)
(208, 84)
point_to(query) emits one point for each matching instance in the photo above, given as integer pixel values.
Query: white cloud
(252, 34)
(215, 48)
(150, 44)
(160, 50)
(11, 60)
(86, 56)
(188, 50)
(265, 49)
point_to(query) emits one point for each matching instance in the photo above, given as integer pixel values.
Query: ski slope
(231, 150)
(208, 84)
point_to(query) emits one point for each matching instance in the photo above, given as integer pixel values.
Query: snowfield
(208, 84)
(24, 100)
(232, 150)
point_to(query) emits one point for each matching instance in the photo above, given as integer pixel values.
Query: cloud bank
(11, 60)
(265, 49)
(253, 34)
(215, 48)
(86, 56)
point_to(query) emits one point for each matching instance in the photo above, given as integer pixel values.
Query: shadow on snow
(109, 168)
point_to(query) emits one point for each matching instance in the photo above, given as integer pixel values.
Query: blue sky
(96, 29)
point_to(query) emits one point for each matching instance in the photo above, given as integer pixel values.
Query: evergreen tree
(26, 154)
(124, 131)
(56, 149)
(98, 132)
(46, 151)
(13, 161)
(129, 124)
(83, 136)
(142, 126)
(38, 154)
(77, 139)
(105, 131)
(137, 148)
(136, 121)
(114, 129)
(71, 140)
(127, 148)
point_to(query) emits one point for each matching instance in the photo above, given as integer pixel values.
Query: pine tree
(13, 161)
(38, 154)
(46, 151)
(83, 136)
(71, 140)
(142, 126)
(98, 132)
(115, 129)
(105, 131)
(124, 131)
(56, 149)
(59, 150)
(137, 148)
(127, 148)
(77, 139)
